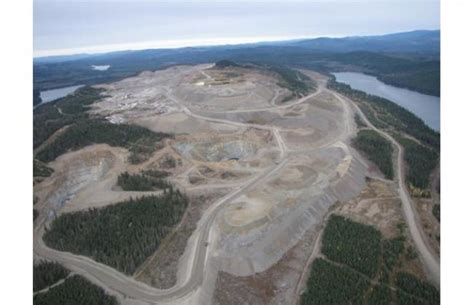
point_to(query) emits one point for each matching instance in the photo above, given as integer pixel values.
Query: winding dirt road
(429, 260)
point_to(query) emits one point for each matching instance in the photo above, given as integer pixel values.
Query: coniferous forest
(353, 244)
(122, 235)
(47, 273)
(141, 182)
(79, 129)
(361, 267)
(330, 284)
(377, 149)
(50, 117)
(95, 131)
(420, 160)
(75, 290)
(385, 114)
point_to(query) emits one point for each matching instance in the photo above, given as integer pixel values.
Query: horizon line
(185, 43)
(166, 44)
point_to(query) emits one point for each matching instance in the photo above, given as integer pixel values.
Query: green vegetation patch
(417, 288)
(379, 295)
(141, 182)
(41, 170)
(141, 141)
(427, 81)
(353, 244)
(76, 290)
(83, 129)
(329, 284)
(421, 162)
(406, 299)
(347, 277)
(386, 114)
(377, 149)
(122, 235)
(392, 249)
(46, 274)
(226, 63)
(50, 117)
(295, 81)
(422, 158)
(78, 103)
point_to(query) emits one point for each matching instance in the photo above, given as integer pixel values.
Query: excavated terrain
(262, 173)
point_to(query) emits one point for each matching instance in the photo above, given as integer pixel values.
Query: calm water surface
(51, 95)
(100, 68)
(424, 106)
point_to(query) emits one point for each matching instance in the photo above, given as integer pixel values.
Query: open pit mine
(262, 168)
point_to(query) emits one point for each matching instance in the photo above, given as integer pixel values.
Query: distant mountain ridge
(409, 60)
(421, 41)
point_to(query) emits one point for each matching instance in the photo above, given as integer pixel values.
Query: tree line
(50, 117)
(141, 182)
(389, 114)
(95, 131)
(292, 80)
(83, 129)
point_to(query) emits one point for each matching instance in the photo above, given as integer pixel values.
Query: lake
(51, 95)
(100, 68)
(424, 106)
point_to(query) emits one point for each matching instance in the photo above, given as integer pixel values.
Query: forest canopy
(75, 290)
(122, 235)
(377, 149)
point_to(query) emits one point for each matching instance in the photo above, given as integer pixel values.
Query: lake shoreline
(54, 94)
(426, 107)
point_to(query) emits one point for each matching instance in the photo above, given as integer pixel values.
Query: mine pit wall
(309, 213)
(288, 229)
(75, 178)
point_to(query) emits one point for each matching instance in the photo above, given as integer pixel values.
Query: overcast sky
(74, 26)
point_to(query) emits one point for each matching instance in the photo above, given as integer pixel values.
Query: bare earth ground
(275, 285)
(262, 176)
(376, 205)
